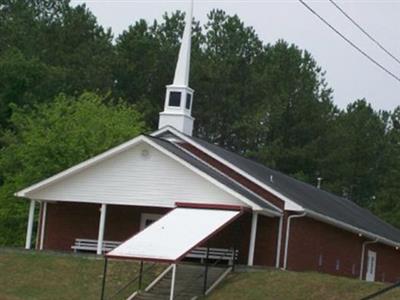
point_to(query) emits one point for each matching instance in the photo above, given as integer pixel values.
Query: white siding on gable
(141, 175)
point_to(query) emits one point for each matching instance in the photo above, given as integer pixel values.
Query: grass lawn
(44, 276)
(273, 284)
(49, 276)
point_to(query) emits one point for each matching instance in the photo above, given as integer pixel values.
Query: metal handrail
(382, 291)
(138, 277)
(213, 265)
(216, 262)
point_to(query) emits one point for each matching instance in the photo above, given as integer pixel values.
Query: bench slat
(213, 253)
(91, 245)
(199, 252)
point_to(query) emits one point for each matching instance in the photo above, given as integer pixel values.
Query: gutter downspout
(279, 243)
(363, 255)
(287, 237)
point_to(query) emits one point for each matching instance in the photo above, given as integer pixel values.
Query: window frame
(144, 217)
(188, 97)
(170, 97)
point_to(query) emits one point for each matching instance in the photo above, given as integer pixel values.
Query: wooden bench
(91, 245)
(214, 253)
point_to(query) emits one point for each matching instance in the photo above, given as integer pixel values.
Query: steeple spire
(179, 96)
(183, 65)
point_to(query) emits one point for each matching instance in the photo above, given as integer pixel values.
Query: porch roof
(170, 238)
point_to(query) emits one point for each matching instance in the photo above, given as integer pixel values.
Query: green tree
(145, 62)
(355, 158)
(268, 102)
(224, 77)
(140, 69)
(294, 114)
(387, 201)
(25, 81)
(83, 48)
(57, 47)
(51, 138)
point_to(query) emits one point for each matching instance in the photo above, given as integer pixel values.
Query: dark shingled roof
(308, 196)
(230, 183)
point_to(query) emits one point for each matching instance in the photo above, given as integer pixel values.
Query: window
(175, 99)
(372, 264)
(320, 260)
(188, 100)
(353, 269)
(337, 264)
(147, 219)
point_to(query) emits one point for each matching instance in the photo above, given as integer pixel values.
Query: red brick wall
(310, 238)
(266, 241)
(387, 262)
(67, 221)
(267, 230)
(236, 234)
(124, 221)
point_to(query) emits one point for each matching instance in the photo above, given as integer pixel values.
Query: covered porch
(174, 237)
(254, 234)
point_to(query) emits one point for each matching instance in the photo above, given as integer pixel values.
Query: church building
(202, 195)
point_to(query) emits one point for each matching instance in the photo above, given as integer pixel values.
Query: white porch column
(29, 229)
(43, 225)
(102, 222)
(171, 295)
(252, 238)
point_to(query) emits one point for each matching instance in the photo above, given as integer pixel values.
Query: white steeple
(179, 96)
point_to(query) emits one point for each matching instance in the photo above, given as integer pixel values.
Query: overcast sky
(350, 74)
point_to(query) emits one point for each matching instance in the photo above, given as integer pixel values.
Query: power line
(364, 31)
(350, 42)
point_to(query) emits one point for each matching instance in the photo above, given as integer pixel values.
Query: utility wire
(364, 31)
(350, 42)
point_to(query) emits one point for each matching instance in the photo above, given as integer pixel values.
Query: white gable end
(141, 175)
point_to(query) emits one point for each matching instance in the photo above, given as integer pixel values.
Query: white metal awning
(175, 234)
